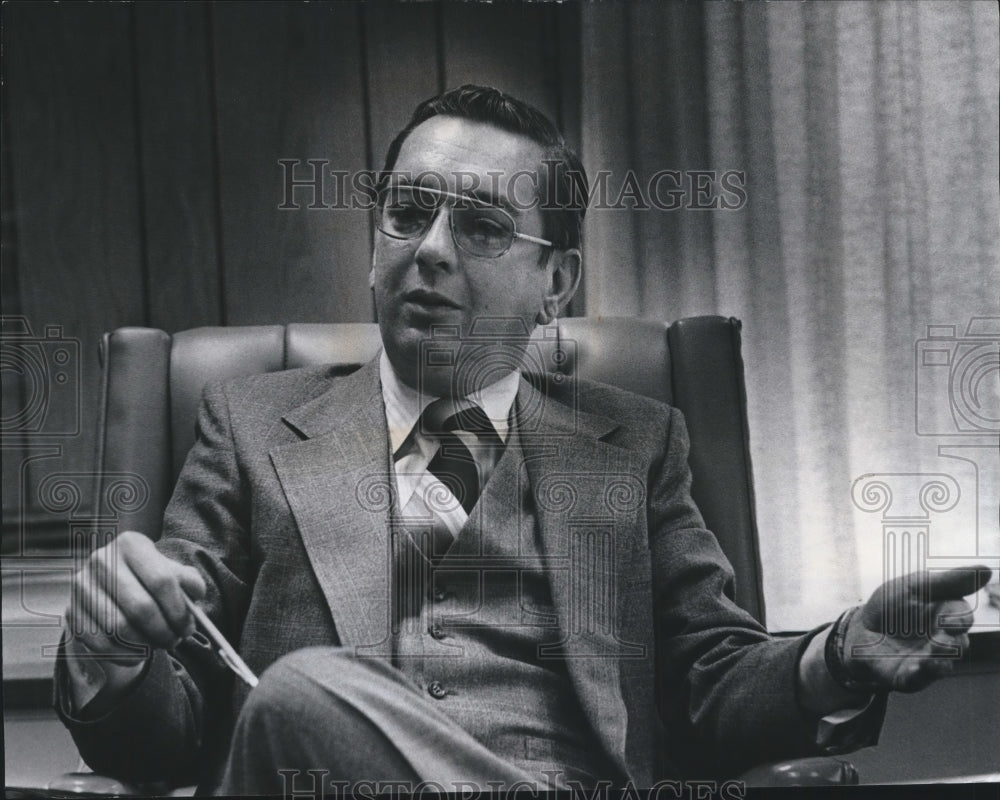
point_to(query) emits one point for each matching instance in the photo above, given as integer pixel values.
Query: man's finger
(97, 622)
(143, 612)
(954, 616)
(160, 579)
(953, 584)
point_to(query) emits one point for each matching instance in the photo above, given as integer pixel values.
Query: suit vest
(478, 632)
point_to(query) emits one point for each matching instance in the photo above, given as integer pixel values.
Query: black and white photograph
(500, 399)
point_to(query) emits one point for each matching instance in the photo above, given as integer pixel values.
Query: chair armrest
(814, 771)
(91, 784)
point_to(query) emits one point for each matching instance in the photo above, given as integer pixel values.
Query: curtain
(866, 247)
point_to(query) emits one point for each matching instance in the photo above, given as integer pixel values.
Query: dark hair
(563, 194)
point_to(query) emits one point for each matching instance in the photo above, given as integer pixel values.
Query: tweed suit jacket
(285, 504)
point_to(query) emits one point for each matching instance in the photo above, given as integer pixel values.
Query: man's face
(426, 282)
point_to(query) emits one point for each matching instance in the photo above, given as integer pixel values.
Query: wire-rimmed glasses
(477, 227)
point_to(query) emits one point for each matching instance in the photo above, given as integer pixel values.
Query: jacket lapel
(590, 502)
(338, 485)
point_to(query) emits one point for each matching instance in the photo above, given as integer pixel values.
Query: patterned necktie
(463, 471)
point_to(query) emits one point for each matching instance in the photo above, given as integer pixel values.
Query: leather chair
(152, 383)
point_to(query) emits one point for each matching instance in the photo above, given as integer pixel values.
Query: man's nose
(437, 247)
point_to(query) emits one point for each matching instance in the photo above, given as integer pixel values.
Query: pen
(225, 650)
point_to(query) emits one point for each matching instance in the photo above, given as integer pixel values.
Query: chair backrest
(153, 382)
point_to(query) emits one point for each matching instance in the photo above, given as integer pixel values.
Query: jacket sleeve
(163, 728)
(726, 689)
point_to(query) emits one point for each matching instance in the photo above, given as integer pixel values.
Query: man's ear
(564, 268)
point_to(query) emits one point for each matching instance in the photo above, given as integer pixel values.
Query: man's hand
(128, 597)
(911, 631)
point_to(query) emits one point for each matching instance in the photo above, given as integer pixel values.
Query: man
(381, 546)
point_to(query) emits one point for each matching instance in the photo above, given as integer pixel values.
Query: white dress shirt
(419, 490)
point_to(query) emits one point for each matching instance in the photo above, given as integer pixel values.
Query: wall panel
(288, 83)
(179, 192)
(11, 374)
(502, 46)
(75, 173)
(401, 68)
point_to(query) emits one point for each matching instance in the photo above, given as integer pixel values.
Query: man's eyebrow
(501, 201)
(487, 198)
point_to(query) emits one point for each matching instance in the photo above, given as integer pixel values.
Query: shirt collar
(404, 404)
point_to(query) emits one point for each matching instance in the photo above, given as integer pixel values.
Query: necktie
(463, 471)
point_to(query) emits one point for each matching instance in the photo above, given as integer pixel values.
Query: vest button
(438, 632)
(436, 690)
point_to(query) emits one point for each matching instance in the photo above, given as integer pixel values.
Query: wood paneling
(402, 67)
(288, 83)
(501, 46)
(75, 174)
(11, 375)
(179, 191)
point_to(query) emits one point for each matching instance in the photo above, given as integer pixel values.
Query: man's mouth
(429, 299)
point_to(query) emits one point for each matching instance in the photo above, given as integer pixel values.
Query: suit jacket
(284, 505)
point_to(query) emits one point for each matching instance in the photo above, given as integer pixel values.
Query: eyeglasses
(407, 212)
